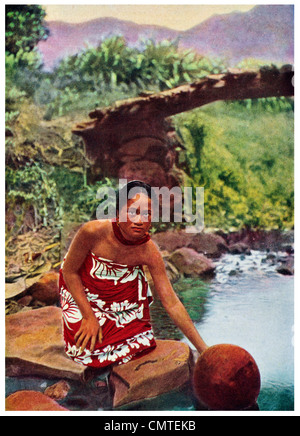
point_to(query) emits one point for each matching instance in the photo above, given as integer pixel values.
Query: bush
(244, 159)
(33, 186)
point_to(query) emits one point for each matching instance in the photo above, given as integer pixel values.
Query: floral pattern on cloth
(120, 297)
(122, 353)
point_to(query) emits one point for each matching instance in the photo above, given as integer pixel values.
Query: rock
(35, 345)
(101, 386)
(239, 248)
(287, 267)
(58, 391)
(150, 172)
(192, 264)
(172, 272)
(165, 368)
(289, 249)
(25, 301)
(209, 244)
(46, 289)
(15, 289)
(274, 240)
(271, 257)
(31, 401)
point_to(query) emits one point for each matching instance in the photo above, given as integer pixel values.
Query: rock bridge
(135, 139)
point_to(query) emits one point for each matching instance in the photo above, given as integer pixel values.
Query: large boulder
(31, 401)
(192, 264)
(209, 244)
(167, 367)
(35, 345)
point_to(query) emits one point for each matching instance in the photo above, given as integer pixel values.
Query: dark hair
(132, 184)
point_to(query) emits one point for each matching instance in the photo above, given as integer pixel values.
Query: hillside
(265, 32)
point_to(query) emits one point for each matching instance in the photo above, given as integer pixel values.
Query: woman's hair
(139, 187)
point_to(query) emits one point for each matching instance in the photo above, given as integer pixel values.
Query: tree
(24, 27)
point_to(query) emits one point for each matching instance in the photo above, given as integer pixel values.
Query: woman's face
(135, 217)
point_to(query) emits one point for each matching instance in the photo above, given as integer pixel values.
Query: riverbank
(33, 259)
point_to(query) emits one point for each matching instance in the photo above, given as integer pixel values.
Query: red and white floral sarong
(120, 297)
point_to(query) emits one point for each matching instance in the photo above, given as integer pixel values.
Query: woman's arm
(171, 302)
(80, 246)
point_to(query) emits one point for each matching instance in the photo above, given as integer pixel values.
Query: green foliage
(246, 165)
(23, 71)
(78, 200)
(86, 71)
(33, 186)
(13, 97)
(114, 63)
(194, 154)
(87, 200)
(166, 66)
(24, 28)
(113, 71)
(56, 195)
(269, 104)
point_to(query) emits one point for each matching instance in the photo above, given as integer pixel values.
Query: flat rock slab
(31, 401)
(35, 345)
(167, 367)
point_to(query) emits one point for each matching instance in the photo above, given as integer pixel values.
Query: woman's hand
(89, 331)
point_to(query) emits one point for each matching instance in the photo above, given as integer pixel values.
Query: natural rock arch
(134, 138)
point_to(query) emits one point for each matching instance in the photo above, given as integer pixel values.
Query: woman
(105, 296)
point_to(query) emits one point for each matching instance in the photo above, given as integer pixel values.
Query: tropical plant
(114, 71)
(33, 186)
(24, 28)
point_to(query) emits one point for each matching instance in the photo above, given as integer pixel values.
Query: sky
(175, 16)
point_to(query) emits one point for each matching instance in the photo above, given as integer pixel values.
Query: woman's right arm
(89, 330)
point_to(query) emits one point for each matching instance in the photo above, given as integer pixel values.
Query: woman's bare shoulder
(152, 254)
(95, 227)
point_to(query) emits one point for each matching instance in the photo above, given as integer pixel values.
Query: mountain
(67, 39)
(265, 32)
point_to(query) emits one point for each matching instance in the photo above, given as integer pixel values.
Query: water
(255, 310)
(250, 305)
(247, 304)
